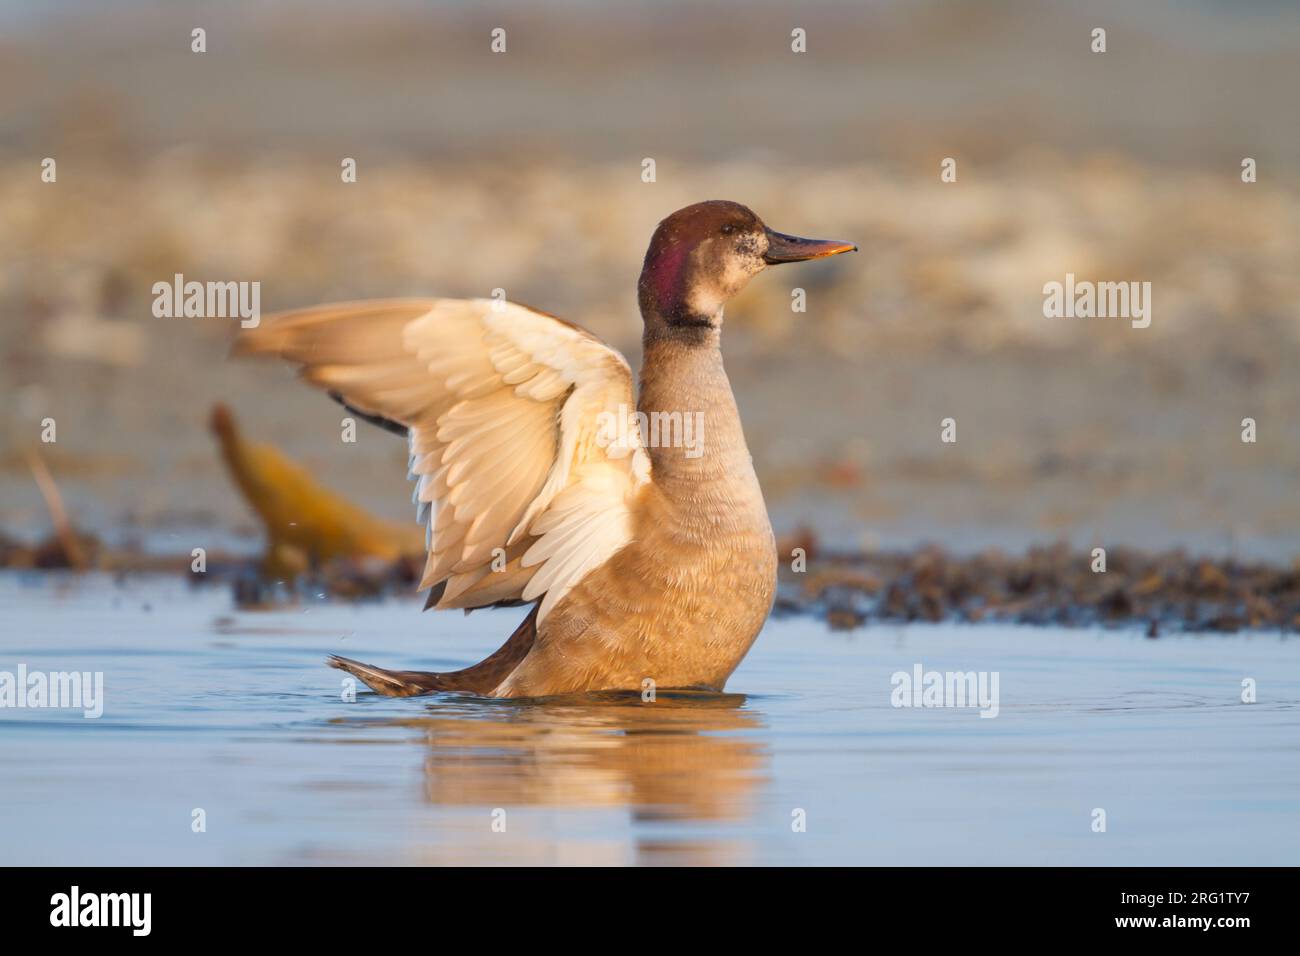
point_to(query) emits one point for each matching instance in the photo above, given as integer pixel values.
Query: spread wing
(525, 473)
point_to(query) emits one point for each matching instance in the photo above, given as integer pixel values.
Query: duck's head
(701, 256)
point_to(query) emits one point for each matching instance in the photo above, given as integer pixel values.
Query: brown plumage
(642, 560)
(481, 678)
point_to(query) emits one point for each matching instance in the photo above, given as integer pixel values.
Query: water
(233, 713)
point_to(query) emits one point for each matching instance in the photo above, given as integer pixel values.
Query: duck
(645, 561)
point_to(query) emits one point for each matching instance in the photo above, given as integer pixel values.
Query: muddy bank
(1168, 592)
(1165, 592)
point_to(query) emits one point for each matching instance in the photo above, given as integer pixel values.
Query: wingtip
(251, 342)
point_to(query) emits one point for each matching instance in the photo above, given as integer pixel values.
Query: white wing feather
(508, 412)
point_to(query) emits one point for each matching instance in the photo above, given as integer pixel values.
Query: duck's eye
(728, 229)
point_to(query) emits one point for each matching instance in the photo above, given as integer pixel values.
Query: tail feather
(390, 683)
(482, 678)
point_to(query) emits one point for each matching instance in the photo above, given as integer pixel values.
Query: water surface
(234, 713)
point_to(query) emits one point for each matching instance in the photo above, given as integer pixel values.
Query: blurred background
(523, 171)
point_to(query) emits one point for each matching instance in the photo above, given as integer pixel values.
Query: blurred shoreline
(1182, 84)
(1083, 429)
(522, 172)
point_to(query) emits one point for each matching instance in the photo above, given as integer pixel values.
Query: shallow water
(234, 713)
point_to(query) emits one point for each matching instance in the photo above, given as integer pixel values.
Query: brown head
(703, 255)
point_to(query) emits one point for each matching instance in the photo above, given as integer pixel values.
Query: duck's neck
(694, 431)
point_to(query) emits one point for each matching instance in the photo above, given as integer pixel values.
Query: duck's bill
(783, 248)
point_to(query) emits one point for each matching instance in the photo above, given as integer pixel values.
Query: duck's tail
(390, 683)
(482, 678)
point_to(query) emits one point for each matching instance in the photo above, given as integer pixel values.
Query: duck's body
(683, 601)
(642, 563)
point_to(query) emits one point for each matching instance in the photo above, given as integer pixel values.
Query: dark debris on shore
(1163, 593)
(1056, 585)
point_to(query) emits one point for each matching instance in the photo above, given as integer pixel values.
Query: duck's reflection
(682, 759)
